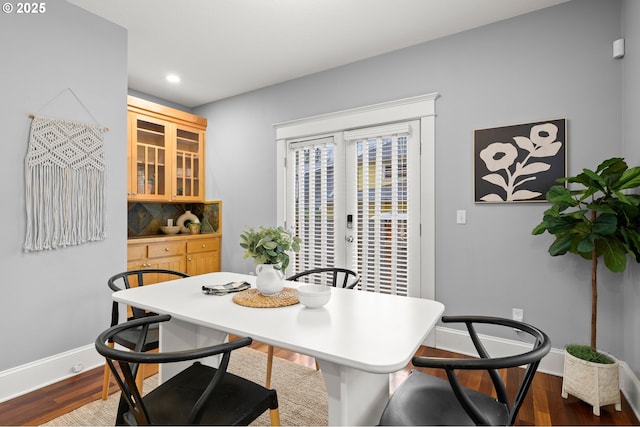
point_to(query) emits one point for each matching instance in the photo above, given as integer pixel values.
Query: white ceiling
(222, 48)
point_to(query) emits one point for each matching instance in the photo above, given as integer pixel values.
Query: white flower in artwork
(501, 156)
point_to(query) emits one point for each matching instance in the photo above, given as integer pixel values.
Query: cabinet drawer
(136, 252)
(203, 245)
(166, 249)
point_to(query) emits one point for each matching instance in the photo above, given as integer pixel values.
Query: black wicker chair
(330, 276)
(423, 399)
(129, 339)
(197, 395)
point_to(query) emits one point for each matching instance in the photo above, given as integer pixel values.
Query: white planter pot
(594, 383)
(269, 281)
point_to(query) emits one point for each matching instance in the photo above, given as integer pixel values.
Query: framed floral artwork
(519, 163)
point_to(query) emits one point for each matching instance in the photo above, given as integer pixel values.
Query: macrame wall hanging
(64, 182)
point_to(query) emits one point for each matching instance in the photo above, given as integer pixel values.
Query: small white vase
(269, 281)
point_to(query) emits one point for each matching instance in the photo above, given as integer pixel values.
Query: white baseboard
(458, 341)
(23, 379)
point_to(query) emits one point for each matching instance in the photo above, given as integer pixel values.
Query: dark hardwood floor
(543, 405)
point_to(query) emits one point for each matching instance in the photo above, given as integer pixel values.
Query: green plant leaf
(630, 179)
(561, 224)
(587, 244)
(559, 193)
(605, 224)
(561, 245)
(593, 177)
(632, 239)
(540, 228)
(608, 163)
(600, 208)
(613, 172)
(270, 244)
(615, 254)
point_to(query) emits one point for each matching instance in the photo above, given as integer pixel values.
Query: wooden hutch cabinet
(166, 165)
(166, 153)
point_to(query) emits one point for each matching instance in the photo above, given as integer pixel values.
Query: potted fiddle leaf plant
(269, 247)
(595, 218)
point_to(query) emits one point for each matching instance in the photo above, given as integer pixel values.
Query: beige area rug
(302, 395)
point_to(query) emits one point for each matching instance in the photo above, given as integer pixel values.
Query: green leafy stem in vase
(269, 245)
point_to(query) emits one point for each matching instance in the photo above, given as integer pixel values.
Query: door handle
(349, 239)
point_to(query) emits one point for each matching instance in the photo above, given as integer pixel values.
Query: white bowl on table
(314, 296)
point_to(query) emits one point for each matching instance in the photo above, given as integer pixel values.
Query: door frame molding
(421, 108)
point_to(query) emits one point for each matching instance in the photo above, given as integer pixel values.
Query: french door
(353, 197)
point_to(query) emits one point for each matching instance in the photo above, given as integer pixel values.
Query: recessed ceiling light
(173, 78)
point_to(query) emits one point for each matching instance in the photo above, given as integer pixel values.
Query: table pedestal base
(355, 397)
(179, 335)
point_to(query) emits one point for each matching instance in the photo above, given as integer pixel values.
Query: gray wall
(631, 149)
(554, 63)
(57, 300)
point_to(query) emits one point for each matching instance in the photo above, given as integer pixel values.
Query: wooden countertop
(169, 237)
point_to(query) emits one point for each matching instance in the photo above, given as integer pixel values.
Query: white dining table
(358, 338)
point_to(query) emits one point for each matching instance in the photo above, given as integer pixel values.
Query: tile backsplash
(146, 218)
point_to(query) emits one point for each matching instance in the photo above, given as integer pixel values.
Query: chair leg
(105, 382)
(274, 415)
(317, 366)
(267, 383)
(106, 378)
(140, 377)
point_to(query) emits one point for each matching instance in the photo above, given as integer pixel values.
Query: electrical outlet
(461, 216)
(517, 314)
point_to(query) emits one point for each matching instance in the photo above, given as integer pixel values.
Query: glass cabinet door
(189, 165)
(149, 158)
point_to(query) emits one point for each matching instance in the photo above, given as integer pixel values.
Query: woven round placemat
(253, 298)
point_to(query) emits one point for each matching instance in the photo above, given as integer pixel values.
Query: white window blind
(382, 176)
(314, 203)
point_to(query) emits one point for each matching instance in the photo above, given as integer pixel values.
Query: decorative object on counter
(185, 219)
(194, 228)
(64, 184)
(170, 229)
(269, 247)
(596, 219)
